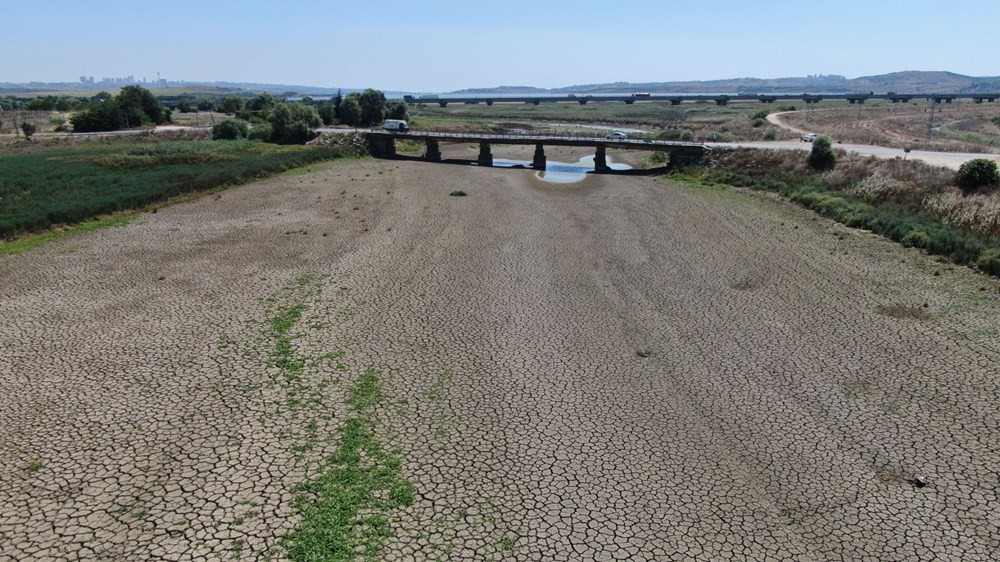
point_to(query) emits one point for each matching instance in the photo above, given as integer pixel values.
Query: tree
(206, 104)
(350, 111)
(134, 106)
(336, 101)
(28, 129)
(230, 129)
(372, 104)
(141, 103)
(184, 106)
(262, 102)
(293, 123)
(977, 175)
(822, 156)
(231, 105)
(326, 112)
(397, 109)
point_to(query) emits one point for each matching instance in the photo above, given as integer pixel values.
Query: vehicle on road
(617, 135)
(809, 137)
(397, 125)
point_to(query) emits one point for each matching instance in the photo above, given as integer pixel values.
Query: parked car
(809, 137)
(617, 135)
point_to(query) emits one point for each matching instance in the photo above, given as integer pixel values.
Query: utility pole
(930, 120)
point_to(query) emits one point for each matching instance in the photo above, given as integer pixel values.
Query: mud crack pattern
(613, 370)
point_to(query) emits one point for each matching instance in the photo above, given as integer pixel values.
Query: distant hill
(911, 81)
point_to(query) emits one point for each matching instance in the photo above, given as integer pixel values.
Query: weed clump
(458, 193)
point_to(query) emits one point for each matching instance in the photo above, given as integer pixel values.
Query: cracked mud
(618, 369)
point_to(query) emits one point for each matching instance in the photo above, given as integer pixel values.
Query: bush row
(889, 219)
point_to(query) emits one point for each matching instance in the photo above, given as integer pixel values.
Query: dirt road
(617, 369)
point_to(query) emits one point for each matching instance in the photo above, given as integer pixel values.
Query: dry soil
(618, 369)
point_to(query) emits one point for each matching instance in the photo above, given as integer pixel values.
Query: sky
(440, 46)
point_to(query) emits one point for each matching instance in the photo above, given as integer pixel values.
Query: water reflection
(560, 172)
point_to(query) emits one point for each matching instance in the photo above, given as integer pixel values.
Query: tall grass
(42, 186)
(908, 202)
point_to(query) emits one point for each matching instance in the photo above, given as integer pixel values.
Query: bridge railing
(633, 138)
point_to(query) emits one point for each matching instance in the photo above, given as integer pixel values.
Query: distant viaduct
(677, 99)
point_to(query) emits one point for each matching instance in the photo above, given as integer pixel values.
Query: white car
(809, 137)
(617, 135)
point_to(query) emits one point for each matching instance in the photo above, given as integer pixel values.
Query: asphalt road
(945, 159)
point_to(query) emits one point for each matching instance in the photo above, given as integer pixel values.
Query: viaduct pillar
(538, 162)
(485, 156)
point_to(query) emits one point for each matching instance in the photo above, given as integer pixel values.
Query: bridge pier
(443, 103)
(485, 155)
(538, 162)
(601, 159)
(382, 146)
(433, 151)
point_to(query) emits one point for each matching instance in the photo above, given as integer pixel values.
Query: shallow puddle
(560, 172)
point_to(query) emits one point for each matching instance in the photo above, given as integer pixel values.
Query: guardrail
(638, 139)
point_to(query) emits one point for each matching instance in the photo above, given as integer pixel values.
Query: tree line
(265, 117)
(262, 117)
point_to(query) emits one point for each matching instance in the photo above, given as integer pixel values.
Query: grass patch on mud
(46, 185)
(345, 509)
(345, 506)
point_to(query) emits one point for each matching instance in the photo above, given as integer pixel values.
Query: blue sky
(447, 45)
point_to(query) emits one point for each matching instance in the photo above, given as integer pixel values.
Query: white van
(397, 125)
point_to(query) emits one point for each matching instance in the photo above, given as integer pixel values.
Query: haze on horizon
(450, 45)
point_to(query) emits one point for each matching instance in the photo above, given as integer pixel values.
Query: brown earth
(959, 127)
(608, 370)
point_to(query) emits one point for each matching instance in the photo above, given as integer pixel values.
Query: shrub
(977, 174)
(658, 158)
(822, 156)
(770, 134)
(230, 129)
(260, 132)
(757, 122)
(989, 261)
(761, 115)
(917, 239)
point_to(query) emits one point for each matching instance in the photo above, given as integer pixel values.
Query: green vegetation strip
(345, 509)
(46, 185)
(887, 219)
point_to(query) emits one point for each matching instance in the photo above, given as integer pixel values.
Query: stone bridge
(383, 144)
